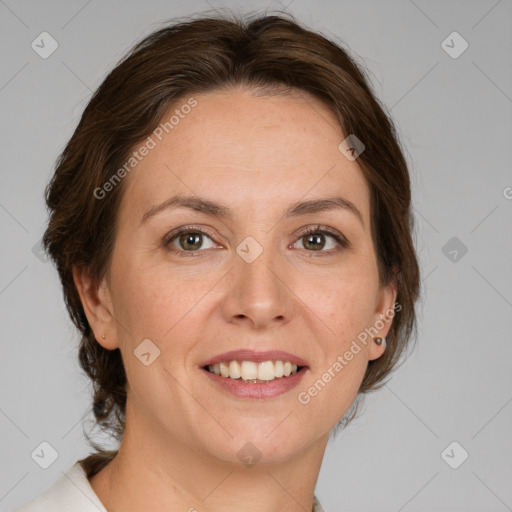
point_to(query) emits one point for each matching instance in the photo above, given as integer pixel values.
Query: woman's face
(254, 173)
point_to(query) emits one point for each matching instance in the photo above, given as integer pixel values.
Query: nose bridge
(258, 291)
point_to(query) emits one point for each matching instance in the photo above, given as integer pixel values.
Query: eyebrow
(222, 211)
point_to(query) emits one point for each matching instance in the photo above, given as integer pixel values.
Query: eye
(188, 240)
(315, 239)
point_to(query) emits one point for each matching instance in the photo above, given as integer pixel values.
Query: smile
(254, 374)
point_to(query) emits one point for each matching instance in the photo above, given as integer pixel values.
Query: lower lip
(257, 390)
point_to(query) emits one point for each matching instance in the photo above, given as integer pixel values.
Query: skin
(258, 155)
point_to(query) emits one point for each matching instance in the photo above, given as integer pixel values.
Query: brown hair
(199, 55)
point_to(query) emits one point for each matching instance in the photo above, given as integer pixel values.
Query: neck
(154, 471)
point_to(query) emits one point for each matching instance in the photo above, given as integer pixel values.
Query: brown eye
(322, 240)
(188, 241)
(315, 241)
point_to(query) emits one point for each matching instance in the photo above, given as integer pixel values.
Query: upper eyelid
(187, 229)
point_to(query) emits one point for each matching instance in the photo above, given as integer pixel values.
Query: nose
(258, 293)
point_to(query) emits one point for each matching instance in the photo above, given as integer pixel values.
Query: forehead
(248, 150)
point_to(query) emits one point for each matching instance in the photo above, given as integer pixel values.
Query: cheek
(346, 303)
(162, 306)
(337, 379)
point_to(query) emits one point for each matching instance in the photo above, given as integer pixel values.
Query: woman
(231, 223)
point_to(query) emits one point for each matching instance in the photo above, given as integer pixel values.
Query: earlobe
(97, 306)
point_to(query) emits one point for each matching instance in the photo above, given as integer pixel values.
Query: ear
(97, 305)
(383, 318)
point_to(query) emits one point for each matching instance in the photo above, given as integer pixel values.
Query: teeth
(249, 370)
(234, 370)
(224, 369)
(279, 369)
(266, 371)
(253, 372)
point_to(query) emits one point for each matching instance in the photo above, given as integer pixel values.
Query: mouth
(250, 374)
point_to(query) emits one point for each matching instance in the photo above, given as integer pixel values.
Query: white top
(73, 492)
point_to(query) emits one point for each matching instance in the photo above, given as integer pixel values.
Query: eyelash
(319, 229)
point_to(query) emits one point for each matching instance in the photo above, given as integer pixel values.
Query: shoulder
(72, 491)
(316, 505)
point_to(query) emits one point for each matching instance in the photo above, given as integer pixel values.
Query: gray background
(455, 118)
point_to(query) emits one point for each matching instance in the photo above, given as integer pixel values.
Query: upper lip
(257, 357)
